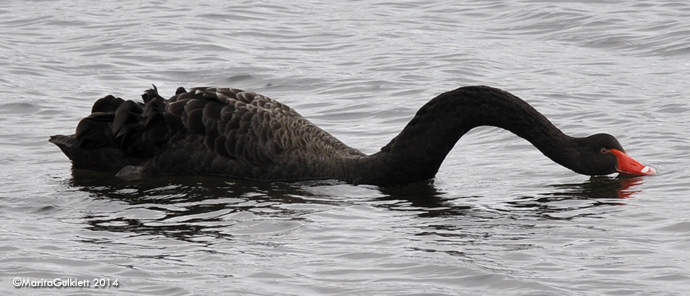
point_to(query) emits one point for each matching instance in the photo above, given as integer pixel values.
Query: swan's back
(204, 131)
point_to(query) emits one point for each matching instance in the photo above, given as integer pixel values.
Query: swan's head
(602, 155)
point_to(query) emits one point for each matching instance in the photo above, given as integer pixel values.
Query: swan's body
(232, 133)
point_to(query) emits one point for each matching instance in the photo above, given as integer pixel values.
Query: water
(499, 219)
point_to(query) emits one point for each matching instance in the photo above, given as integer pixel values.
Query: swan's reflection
(188, 207)
(572, 200)
(599, 187)
(184, 208)
(465, 225)
(596, 191)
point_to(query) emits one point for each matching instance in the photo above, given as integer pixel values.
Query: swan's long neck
(418, 151)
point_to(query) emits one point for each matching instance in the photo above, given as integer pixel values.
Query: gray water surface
(499, 218)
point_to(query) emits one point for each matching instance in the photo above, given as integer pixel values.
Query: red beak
(627, 165)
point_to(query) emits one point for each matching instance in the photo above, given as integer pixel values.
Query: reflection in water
(424, 197)
(185, 207)
(569, 201)
(484, 226)
(206, 208)
(600, 187)
(597, 191)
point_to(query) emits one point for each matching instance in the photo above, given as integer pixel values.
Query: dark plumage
(238, 134)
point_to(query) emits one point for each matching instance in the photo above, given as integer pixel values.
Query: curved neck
(418, 151)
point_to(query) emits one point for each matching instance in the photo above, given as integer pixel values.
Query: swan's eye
(604, 150)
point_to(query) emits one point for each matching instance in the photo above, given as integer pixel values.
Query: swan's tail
(116, 134)
(104, 159)
(65, 143)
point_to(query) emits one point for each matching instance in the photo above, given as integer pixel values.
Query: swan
(240, 134)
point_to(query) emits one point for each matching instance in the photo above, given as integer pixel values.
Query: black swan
(239, 134)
